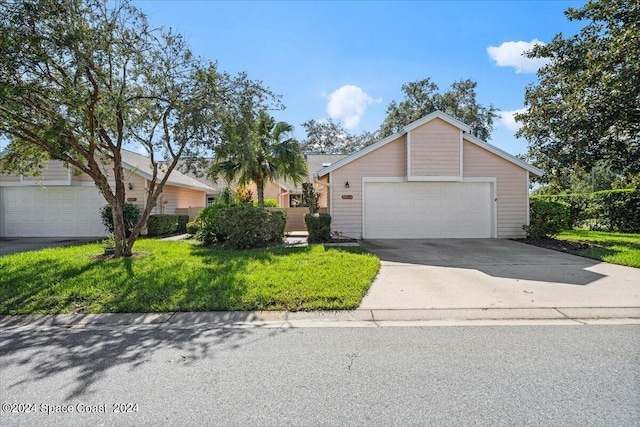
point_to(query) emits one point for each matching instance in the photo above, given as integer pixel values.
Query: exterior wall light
(130, 186)
(346, 184)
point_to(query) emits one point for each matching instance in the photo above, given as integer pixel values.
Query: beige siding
(323, 200)
(512, 187)
(138, 192)
(79, 177)
(388, 160)
(9, 178)
(179, 197)
(435, 149)
(52, 170)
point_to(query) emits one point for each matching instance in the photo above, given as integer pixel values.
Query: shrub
(612, 210)
(183, 220)
(310, 197)
(318, 226)
(193, 227)
(579, 206)
(283, 219)
(226, 197)
(546, 219)
(268, 203)
(240, 226)
(158, 225)
(131, 217)
(245, 195)
(617, 210)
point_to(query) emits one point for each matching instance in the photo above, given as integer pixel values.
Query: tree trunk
(260, 189)
(123, 246)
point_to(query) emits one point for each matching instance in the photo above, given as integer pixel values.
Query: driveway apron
(493, 273)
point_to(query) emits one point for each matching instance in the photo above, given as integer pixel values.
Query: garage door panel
(427, 210)
(51, 212)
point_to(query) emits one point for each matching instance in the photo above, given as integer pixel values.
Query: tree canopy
(82, 79)
(330, 137)
(584, 111)
(423, 97)
(258, 151)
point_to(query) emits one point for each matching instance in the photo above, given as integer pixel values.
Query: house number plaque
(347, 196)
(132, 199)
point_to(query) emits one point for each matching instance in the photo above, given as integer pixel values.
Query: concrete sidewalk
(354, 318)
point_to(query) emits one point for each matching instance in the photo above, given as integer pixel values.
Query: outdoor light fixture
(346, 184)
(130, 186)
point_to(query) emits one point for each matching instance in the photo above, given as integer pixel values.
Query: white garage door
(51, 211)
(414, 210)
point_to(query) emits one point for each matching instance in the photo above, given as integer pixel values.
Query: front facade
(64, 202)
(431, 180)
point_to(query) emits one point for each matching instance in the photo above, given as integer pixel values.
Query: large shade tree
(584, 111)
(258, 150)
(330, 137)
(423, 97)
(81, 79)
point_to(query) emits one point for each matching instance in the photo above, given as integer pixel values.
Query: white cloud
(348, 104)
(511, 54)
(506, 117)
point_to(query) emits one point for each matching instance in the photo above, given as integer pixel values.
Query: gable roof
(141, 165)
(426, 119)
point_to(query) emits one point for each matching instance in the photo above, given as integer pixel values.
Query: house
(430, 180)
(65, 202)
(286, 193)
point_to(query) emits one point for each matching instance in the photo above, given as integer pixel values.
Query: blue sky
(348, 60)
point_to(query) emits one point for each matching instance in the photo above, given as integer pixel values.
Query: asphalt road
(480, 376)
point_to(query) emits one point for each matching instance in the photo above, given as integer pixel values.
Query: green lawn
(182, 276)
(616, 248)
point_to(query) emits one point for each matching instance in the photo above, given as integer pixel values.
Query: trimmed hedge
(318, 226)
(547, 219)
(612, 210)
(158, 225)
(240, 226)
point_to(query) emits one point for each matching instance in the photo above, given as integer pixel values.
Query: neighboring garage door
(51, 212)
(414, 210)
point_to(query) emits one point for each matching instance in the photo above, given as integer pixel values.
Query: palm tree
(263, 152)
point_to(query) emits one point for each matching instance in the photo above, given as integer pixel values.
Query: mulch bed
(558, 245)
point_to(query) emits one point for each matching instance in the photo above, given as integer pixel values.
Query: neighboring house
(430, 180)
(286, 193)
(64, 202)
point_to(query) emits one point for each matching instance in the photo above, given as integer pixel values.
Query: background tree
(422, 98)
(258, 150)
(330, 137)
(585, 109)
(79, 80)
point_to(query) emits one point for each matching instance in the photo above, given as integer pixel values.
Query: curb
(353, 318)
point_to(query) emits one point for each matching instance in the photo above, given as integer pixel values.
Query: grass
(183, 276)
(616, 248)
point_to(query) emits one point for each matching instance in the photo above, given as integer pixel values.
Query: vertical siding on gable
(512, 188)
(389, 160)
(435, 149)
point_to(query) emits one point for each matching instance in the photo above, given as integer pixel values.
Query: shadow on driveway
(494, 257)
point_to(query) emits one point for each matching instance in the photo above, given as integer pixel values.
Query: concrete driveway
(13, 245)
(493, 273)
